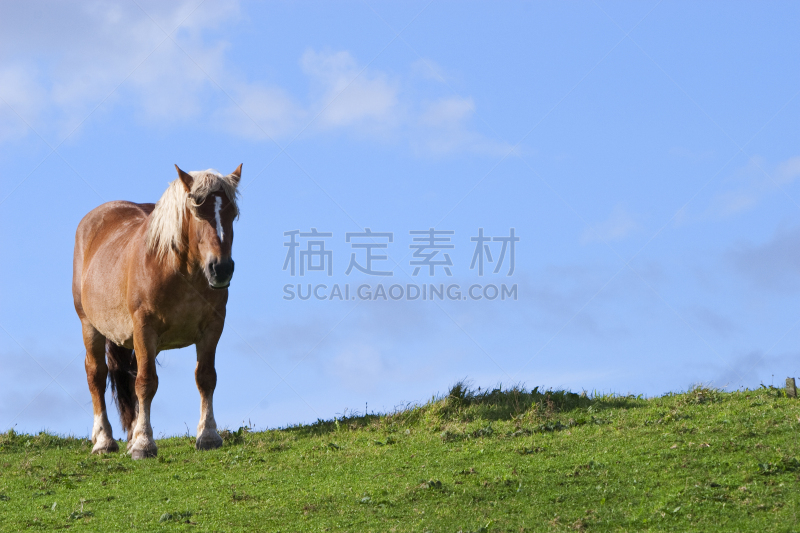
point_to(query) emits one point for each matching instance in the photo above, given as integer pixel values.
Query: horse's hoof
(108, 446)
(147, 453)
(208, 442)
(143, 449)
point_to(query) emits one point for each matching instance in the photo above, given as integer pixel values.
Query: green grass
(511, 460)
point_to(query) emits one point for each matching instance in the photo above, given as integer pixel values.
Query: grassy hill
(501, 460)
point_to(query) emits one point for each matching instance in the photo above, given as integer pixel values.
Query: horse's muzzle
(220, 273)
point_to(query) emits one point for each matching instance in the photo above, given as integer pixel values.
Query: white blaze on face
(217, 207)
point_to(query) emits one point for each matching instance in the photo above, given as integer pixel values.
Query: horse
(153, 277)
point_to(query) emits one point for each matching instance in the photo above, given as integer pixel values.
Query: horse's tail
(122, 370)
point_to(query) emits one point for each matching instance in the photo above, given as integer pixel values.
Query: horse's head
(212, 203)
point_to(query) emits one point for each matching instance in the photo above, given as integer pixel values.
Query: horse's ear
(186, 179)
(237, 174)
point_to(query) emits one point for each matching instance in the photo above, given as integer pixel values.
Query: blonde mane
(164, 236)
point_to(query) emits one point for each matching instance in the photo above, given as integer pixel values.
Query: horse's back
(111, 224)
(109, 214)
(104, 242)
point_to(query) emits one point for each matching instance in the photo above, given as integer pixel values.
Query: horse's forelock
(206, 182)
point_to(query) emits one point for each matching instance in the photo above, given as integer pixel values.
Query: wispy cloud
(260, 112)
(788, 171)
(617, 226)
(447, 112)
(774, 265)
(710, 320)
(429, 69)
(352, 95)
(751, 184)
(755, 367)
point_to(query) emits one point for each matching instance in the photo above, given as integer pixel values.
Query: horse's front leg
(145, 348)
(206, 378)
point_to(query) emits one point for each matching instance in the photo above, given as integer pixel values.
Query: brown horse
(148, 278)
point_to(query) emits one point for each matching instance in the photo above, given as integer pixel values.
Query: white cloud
(260, 112)
(58, 61)
(444, 126)
(350, 94)
(448, 112)
(74, 55)
(617, 226)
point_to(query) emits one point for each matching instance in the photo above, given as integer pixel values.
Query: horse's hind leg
(122, 375)
(96, 374)
(206, 378)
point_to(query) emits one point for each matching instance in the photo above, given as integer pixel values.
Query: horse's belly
(103, 301)
(118, 334)
(114, 322)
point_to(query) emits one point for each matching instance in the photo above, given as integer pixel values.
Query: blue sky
(646, 154)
